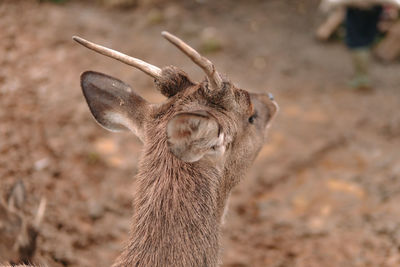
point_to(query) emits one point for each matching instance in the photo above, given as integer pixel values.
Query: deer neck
(176, 213)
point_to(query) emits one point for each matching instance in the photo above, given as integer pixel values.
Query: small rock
(41, 164)
(96, 210)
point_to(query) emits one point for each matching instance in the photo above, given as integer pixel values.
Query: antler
(213, 76)
(147, 68)
(208, 67)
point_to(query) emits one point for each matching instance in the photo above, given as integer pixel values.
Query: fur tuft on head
(172, 81)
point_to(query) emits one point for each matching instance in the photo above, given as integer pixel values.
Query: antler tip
(78, 39)
(167, 35)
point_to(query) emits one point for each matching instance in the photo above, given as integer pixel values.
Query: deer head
(203, 137)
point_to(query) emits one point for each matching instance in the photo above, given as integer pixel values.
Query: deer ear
(114, 105)
(193, 135)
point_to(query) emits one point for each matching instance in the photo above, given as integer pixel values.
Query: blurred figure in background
(361, 23)
(361, 31)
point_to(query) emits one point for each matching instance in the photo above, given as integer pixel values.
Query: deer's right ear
(191, 135)
(114, 104)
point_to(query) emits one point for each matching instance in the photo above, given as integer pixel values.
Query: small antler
(213, 76)
(147, 68)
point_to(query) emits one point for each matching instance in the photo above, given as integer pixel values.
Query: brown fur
(189, 164)
(178, 205)
(172, 81)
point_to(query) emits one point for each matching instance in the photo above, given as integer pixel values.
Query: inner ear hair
(191, 135)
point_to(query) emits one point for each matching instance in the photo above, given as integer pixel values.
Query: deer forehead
(198, 98)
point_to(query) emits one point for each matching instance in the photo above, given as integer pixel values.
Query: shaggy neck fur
(176, 215)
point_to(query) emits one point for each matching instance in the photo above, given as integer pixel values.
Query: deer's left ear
(114, 105)
(191, 135)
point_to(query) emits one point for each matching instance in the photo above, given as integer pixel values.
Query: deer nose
(271, 97)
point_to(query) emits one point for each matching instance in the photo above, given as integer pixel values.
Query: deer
(197, 145)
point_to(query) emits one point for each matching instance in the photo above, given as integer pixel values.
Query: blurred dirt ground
(325, 190)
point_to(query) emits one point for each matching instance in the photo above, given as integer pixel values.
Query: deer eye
(252, 118)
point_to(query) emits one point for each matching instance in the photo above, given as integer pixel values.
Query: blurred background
(324, 191)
